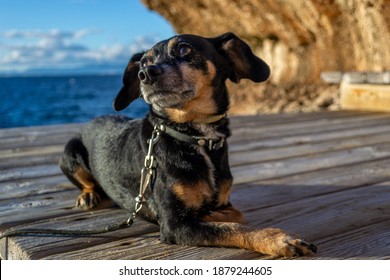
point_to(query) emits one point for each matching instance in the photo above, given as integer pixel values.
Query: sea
(35, 101)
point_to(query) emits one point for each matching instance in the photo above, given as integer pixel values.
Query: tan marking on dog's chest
(224, 192)
(193, 196)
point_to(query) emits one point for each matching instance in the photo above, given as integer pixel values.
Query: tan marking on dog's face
(172, 42)
(193, 196)
(202, 105)
(149, 55)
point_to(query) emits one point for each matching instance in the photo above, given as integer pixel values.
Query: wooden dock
(324, 176)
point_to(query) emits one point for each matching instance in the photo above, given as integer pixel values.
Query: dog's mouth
(168, 99)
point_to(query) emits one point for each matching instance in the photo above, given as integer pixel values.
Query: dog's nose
(148, 75)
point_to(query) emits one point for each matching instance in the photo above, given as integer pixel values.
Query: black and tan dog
(183, 80)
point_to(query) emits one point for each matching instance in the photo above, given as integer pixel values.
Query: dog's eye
(184, 50)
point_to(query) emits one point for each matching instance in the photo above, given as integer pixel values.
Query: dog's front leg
(181, 224)
(270, 241)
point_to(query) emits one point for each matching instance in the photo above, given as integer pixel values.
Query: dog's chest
(198, 187)
(210, 166)
(210, 133)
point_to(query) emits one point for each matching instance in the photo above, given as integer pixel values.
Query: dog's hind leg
(74, 164)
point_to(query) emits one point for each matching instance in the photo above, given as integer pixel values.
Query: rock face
(298, 38)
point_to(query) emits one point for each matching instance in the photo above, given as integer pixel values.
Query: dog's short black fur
(183, 80)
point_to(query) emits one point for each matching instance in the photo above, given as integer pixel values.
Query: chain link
(147, 174)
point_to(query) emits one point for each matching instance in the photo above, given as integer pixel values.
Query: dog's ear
(245, 65)
(131, 84)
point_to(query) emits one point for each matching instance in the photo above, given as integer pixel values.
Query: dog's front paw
(87, 200)
(294, 247)
(277, 243)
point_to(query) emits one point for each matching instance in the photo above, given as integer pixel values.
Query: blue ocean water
(29, 101)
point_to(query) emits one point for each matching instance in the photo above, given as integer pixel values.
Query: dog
(183, 80)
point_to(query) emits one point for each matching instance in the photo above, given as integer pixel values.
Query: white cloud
(30, 49)
(53, 34)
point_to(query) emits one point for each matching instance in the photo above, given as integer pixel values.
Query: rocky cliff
(298, 38)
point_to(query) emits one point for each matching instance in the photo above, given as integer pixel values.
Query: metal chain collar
(147, 174)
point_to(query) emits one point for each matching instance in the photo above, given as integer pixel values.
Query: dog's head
(183, 78)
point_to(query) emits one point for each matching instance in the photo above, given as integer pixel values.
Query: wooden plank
(44, 170)
(37, 247)
(30, 151)
(33, 131)
(321, 126)
(252, 156)
(284, 118)
(30, 187)
(322, 216)
(357, 77)
(286, 167)
(365, 97)
(369, 242)
(42, 140)
(30, 161)
(297, 140)
(267, 193)
(149, 247)
(33, 208)
(278, 122)
(19, 138)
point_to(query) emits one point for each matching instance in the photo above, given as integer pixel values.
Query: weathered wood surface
(369, 97)
(324, 176)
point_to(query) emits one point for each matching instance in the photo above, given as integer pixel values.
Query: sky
(59, 36)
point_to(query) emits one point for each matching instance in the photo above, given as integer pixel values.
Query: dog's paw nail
(308, 245)
(297, 252)
(302, 248)
(313, 248)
